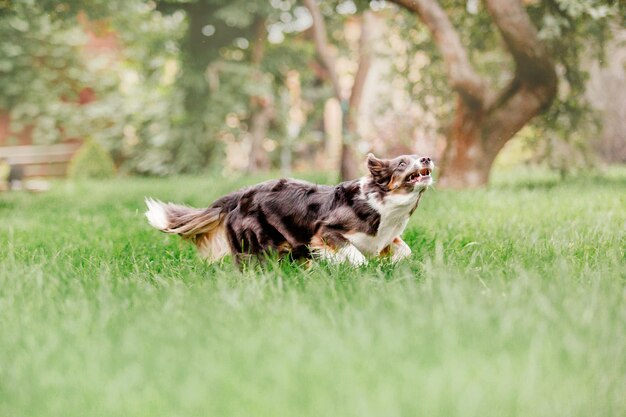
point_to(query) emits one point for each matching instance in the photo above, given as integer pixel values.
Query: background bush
(91, 161)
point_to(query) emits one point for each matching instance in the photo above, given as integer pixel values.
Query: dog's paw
(400, 251)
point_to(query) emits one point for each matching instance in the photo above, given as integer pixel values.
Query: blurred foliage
(219, 77)
(575, 32)
(45, 67)
(91, 161)
(41, 72)
(181, 76)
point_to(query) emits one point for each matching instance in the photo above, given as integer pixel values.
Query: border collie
(343, 223)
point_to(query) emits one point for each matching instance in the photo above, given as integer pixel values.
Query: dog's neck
(395, 207)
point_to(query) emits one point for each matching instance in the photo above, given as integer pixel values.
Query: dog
(346, 223)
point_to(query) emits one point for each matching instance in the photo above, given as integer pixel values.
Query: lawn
(513, 304)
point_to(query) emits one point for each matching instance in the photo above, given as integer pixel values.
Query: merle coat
(341, 223)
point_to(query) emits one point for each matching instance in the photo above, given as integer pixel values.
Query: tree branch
(504, 121)
(461, 75)
(321, 45)
(533, 64)
(365, 60)
(535, 83)
(258, 49)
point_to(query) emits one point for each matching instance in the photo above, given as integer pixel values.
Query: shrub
(91, 161)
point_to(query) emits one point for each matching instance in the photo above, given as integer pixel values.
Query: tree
(349, 105)
(485, 120)
(486, 117)
(207, 32)
(224, 71)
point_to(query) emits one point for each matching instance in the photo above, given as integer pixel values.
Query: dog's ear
(379, 168)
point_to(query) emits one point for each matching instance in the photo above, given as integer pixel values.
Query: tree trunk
(332, 129)
(261, 110)
(478, 135)
(349, 166)
(464, 162)
(259, 125)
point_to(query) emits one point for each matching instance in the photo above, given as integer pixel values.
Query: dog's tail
(185, 221)
(204, 227)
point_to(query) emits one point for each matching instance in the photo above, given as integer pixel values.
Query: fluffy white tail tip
(156, 215)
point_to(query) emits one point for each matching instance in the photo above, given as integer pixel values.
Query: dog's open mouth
(419, 175)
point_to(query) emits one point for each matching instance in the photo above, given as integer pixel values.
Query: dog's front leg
(336, 249)
(348, 253)
(398, 250)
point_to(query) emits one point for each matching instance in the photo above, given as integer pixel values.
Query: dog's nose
(425, 160)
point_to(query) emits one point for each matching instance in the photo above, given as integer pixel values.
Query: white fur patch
(156, 214)
(394, 213)
(365, 243)
(347, 253)
(400, 251)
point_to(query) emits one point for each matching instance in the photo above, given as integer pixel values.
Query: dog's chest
(394, 216)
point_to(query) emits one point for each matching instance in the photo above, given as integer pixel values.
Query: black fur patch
(288, 213)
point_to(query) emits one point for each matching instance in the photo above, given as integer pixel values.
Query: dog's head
(404, 174)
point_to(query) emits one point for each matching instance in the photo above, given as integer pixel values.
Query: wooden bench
(40, 160)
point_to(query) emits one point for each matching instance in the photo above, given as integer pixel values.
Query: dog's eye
(402, 164)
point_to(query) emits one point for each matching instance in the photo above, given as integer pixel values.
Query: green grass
(513, 304)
